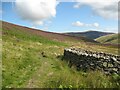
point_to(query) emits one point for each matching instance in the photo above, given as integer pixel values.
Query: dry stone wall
(85, 60)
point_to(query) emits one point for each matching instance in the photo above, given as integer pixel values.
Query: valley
(33, 59)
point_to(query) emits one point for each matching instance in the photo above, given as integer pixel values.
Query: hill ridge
(47, 34)
(89, 34)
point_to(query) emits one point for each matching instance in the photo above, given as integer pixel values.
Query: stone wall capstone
(84, 60)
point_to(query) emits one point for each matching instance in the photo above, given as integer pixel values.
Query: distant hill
(109, 39)
(88, 34)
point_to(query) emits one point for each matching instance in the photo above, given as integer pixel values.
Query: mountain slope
(109, 39)
(88, 34)
(32, 60)
(49, 35)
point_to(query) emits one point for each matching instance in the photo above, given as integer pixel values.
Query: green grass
(111, 39)
(24, 65)
(22, 35)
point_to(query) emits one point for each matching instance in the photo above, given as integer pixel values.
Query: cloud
(96, 24)
(38, 23)
(108, 29)
(36, 11)
(80, 24)
(105, 8)
(7, 0)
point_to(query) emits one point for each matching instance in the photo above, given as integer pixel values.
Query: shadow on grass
(78, 67)
(71, 64)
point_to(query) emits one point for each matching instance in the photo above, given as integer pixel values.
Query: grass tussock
(91, 79)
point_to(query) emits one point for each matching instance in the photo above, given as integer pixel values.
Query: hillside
(109, 39)
(88, 34)
(33, 60)
(49, 35)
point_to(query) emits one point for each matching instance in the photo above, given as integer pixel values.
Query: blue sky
(67, 19)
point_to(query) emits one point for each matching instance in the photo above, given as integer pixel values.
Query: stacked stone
(84, 59)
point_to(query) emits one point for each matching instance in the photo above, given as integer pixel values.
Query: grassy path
(41, 74)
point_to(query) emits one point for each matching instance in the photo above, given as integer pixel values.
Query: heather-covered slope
(49, 35)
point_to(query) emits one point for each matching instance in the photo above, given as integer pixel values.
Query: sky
(61, 16)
